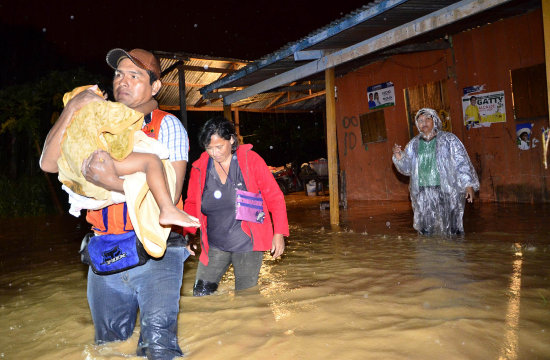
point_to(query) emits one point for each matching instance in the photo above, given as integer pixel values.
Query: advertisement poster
(381, 95)
(481, 110)
(524, 138)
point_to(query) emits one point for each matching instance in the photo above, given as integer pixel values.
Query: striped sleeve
(172, 134)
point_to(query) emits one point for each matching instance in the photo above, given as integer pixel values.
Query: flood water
(368, 289)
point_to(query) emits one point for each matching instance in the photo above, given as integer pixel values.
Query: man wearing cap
(153, 288)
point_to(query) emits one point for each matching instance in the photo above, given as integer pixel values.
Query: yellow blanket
(115, 128)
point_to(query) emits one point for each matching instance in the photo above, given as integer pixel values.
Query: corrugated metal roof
(366, 22)
(199, 71)
(202, 70)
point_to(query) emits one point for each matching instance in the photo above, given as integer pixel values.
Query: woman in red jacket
(224, 170)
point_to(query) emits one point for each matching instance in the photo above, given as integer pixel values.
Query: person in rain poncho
(442, 177)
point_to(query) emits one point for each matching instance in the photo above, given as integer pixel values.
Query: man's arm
(52, 146)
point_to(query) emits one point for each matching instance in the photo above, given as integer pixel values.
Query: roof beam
(437, 19)
(304, 98)
(220, 109)
(208, 69)
(177, 64)
(297, 88)
(308, 55)
(178, 84)
(170, 68)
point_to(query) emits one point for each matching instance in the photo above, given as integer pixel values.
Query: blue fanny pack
(110, 254)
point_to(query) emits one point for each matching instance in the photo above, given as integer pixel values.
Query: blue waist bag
(110, 254)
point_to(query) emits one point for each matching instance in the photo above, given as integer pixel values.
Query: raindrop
(196, 26)
(43, 29)
(270, 147)
(72, 17)
(298, 127)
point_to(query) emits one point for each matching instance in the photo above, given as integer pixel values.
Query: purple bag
(249, 207)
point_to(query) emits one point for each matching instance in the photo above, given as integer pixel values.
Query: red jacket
(257, 177)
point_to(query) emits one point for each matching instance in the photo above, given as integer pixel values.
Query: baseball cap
(141, 58)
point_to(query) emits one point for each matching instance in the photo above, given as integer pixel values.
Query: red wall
(481, 56)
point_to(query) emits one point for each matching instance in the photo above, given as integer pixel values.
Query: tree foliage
(27, 111)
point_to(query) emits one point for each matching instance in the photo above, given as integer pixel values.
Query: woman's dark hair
(218, 125)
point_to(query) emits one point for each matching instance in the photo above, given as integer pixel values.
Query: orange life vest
(114, 219)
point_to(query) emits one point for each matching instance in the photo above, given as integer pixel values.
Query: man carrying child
(154, 287)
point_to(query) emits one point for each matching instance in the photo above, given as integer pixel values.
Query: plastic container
(311, 188)
(320, 166)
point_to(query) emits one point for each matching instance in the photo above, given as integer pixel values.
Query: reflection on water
(509, 349)
(368, 289)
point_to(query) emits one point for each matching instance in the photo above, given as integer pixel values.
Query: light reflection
(273, 285)
(509, 350)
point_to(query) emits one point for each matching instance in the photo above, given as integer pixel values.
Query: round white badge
(217, 194)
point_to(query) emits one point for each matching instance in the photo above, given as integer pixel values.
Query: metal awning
(377, 30)
(198, 71)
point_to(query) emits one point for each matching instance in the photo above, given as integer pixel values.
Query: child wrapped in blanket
(149, 182)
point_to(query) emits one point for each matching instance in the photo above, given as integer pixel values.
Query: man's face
(131, 84)
(473, 101)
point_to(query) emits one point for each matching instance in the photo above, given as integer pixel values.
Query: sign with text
(381, 95)
(481, 110)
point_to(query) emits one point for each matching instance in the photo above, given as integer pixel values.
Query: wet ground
(368, 289)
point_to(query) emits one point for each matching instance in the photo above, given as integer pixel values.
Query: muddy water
(369, 289)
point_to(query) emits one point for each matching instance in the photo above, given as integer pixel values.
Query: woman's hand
(278, 246)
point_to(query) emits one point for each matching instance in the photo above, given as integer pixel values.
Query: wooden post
(237, 126)
(546, 30)
(227, 112)
(331, 147)
(182, 95)
(546, 27)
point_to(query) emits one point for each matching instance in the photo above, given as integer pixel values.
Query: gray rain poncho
(438, 209)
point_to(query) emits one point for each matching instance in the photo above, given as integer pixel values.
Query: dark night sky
(37, 36)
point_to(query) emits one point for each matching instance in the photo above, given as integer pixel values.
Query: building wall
(480, 56)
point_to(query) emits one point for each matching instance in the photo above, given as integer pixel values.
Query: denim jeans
(154, 288)
(246, 267)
